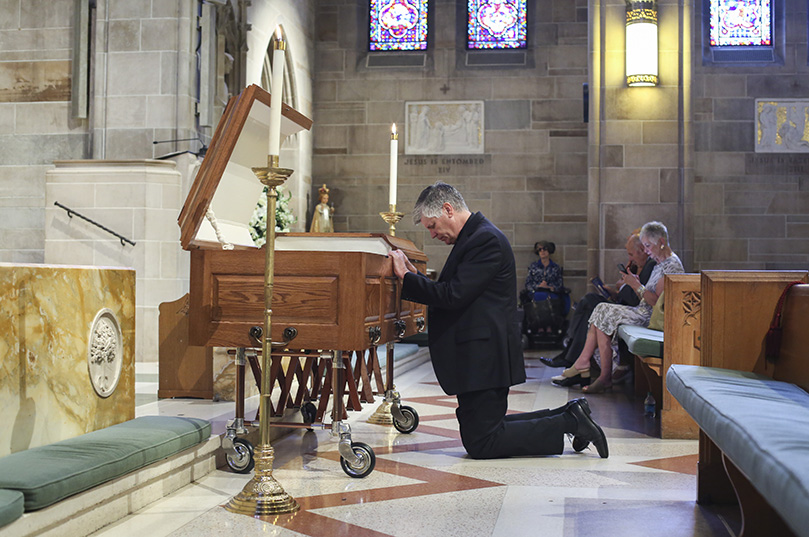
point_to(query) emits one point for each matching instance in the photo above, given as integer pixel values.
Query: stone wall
(751, 209)
(144, 78)
(531, 180)
(36, 127)
(140, 200)
(141, 82)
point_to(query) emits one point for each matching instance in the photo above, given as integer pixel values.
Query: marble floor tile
(424, 485)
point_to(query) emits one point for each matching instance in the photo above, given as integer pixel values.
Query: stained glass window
(398, 25)
(495, 24)
(741, 23)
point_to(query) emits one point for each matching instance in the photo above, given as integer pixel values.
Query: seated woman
(606, 317)
(545, 299)
(543, 274)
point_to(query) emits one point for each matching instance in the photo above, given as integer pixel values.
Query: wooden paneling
(737, 308)
(793, 362)
(185, 370)
(680, 346)
(330, 298)
(373, 300)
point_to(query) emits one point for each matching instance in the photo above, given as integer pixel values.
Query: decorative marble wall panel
(46, 347)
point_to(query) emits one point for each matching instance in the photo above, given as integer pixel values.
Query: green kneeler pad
(642, 341)
(11, 506)
(47, 474)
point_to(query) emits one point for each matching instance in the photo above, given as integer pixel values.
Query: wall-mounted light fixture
(641, 42)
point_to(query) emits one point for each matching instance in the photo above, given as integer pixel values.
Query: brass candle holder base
(391, 218)
(263, 497)
(382, 415)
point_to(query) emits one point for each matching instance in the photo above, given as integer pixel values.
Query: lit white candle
(394, 157)
(277, 89)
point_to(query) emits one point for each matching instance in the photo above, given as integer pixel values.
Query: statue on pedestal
(322, 217)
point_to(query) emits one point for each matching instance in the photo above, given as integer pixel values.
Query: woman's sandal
(597, 386)
(571, 381)
(571, 372)
(572, 377)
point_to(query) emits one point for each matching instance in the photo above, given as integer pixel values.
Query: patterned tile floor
(425, 486)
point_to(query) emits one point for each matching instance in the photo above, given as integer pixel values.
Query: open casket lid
(225, 180)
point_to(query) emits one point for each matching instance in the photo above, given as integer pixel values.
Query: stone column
(640, 151)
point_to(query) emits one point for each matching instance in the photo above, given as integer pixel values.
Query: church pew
(752, 414)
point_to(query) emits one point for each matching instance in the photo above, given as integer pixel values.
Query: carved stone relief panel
(782, 126)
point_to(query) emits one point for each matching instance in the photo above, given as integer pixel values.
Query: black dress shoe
(572, 381)
(557, 361)
(578, 401)
(587, 429)
(579, 443)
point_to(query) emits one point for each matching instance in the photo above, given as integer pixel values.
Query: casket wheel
(243, 461)
(365, 463)
(410, 421)
(309, 412)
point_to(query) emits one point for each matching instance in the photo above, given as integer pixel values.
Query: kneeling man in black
(474, 335)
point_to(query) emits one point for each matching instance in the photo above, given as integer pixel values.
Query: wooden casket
(336, 290)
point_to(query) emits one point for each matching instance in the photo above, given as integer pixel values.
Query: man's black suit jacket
(474, 333)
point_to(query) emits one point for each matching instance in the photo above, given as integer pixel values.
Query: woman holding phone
(606, 317)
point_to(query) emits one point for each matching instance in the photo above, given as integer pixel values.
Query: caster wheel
(243, 462)
(410, 421)
(309, 412)
(367, 461)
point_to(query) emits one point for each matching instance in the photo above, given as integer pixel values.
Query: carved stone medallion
(105, 353)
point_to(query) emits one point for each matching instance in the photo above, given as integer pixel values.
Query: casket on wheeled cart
(334, 295)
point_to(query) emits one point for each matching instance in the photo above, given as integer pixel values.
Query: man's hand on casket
(401, 264)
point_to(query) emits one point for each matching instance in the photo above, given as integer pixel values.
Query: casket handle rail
(420, 324)
(400, 326)
(374, 334)
(290, 333)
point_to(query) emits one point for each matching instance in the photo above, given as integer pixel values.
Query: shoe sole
(606, 453)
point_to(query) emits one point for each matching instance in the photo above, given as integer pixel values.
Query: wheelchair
(544, 321)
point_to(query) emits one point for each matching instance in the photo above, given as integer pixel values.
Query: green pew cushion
(642, 341)
(47, 474)
(11, 506)
(761, 424)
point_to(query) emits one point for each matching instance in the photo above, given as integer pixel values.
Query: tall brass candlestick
(383, 414)
(263, 497)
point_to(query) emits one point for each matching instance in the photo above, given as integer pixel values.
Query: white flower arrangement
(284, 217)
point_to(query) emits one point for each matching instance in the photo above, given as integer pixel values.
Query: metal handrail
(71, 212)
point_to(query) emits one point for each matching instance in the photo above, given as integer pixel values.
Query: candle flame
(393, 129)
